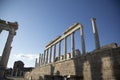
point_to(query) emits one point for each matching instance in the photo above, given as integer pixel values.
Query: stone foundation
(103, 64)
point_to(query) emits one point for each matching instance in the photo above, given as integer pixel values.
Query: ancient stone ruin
(11, 27)
(103, 63)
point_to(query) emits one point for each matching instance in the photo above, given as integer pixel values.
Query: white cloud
(26, 56)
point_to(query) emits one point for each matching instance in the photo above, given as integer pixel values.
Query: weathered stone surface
(98, 65)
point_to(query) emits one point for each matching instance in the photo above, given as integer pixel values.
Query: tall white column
(42, 60)
(72, 45)
(44, 57)
(95, 32)
(39, 59)
(47, 55)
(50, 54)
(54, 53)
(65, 47)
(82, 40)
(59, 49)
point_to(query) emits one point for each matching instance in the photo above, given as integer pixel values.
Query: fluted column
(65, 47)
(72, 45)
(54, 53)
(59, 49)
(50, 54)
(82, 40)
(95, 32)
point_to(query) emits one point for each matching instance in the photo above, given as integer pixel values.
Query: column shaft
(96, 37)
(59, 50)
(72, 45)
(39, 59)
(82, 41)
(47, 56)
(44, 57)
(54, 52)
(36, 62)
(42, 60)
(65, 47)
(50, 54)
(7, 49)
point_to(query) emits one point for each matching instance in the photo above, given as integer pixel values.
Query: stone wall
(101, 64)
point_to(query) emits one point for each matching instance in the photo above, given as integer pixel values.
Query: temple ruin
(103, 63)
(11, 27)
(69, 32)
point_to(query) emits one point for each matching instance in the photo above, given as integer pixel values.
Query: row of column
(43, 58)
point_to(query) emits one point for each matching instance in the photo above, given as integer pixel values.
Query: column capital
(93, 19)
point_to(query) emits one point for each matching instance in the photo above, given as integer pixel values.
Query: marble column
(47, 55)
(65, 47)
(39, 59)
(7, 49)
(59, 49)
(82, 40)
(36, 62)
(42, 60)
(95, 32)
(72, 45)
(54, 53)
(50, 54)
(44, 57)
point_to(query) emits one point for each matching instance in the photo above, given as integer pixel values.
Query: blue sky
(40, 21)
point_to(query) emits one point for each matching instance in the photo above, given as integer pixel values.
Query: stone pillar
(54, 53)
(65, 47)
(39, 59)
(47, 55)
(50, 54)
(95, 32)
(44, 57)
(72, 45)
(7, 49)
(82, 40)
(11, 27)
(59, 49)
(16, 72)
(36, 62)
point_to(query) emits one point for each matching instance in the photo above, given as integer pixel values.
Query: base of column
(2, 71)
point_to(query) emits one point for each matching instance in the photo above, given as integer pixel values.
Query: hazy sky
(40, 21)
